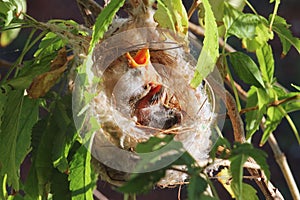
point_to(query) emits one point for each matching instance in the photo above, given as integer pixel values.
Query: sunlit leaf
(8, 36)
(103, 20)
(217, 7)
(281, 27)
(11, 10)
(172, 15)
(3, 190)
(246, 69)
(230, 15)
(81, 183)
(296, 87)
(210, 51)
(237, 4)
(224, 177)
(244, 26)
(262, 36)
(49, 44)
(266, 63)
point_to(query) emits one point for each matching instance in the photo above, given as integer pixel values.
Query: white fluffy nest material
(188, 112)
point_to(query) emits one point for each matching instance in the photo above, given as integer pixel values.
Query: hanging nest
(143, 92)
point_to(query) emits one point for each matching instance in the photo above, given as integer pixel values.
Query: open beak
(141, 58)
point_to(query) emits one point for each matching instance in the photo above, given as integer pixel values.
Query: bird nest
(143, 90)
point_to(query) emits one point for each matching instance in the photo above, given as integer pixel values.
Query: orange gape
(141, 58)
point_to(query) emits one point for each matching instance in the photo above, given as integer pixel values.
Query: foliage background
(287, 71)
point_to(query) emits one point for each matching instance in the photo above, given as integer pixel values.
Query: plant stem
(267, 188)
(251, 7)
(193, 8)
(129, 196)
(277, 2)
(291, 123)
(283, 164)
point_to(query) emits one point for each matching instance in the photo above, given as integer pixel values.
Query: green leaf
(60, 186)
(248, 192)
(6, 9)
(29, 117)
(172, 15)
(296, 87)
(196, 187)
(20, 114)
(262, 36)
(3, 190)
(281, 27)
(266, 63)
(230, 15)
(210, 51)
(273, 119)
(164, 153)
(217, 7)
(246, 69)
(103, 20)
(11, 10)
(237, 4)
(8, 36)
(244, 26)
(66, 135)
(80, 177)
(291, 105)
(3, 104)
(153, 144)
(30, 70)
(43, 137)
(142, 183)
(49, 44)
(236, 168)
(239, 155)
(256, 97)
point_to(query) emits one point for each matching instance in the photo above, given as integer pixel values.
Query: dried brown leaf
(44, 82)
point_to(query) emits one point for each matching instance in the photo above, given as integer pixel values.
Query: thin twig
(198, 30)
(281, 161)
(279, 156)
(6, 64)
(89, 10)
(283, 164)
(272, 104)
(238, 129)
(193, 8)
(99, 195)
(235, 118)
